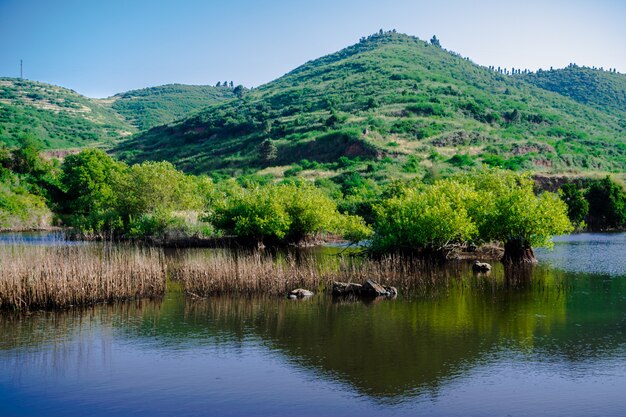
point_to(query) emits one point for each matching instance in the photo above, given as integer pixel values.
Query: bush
(607, 204)
(424, 218)
(577, 205)
(282, 213)
(481, 206)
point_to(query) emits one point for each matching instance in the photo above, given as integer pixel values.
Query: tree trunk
(517, 251)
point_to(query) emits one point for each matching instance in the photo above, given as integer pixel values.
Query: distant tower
(21, 69)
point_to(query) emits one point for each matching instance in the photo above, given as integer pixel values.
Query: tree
(435, 42)
(26, 158)
(607, 204)
(89, 179)
(425, 218)
(508, 211)
(150, 193)
(282, 214)
(577, 205)
(239, 90)
(267, 151)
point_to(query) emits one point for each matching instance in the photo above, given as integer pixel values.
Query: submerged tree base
(516, 252)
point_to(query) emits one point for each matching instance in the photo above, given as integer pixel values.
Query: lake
(551, 343)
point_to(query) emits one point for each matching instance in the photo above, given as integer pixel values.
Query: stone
(393, 292)
(481, 266)
(371, 289)
(374, 289)
(346, 288)
(300, 293)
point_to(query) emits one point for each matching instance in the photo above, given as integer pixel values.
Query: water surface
(551, 344)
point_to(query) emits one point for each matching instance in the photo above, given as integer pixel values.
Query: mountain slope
(399, 102)
(153, 106)
(59, 117)
(604, 90)
(62, 118)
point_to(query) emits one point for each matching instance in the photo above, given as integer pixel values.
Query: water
(554, 346)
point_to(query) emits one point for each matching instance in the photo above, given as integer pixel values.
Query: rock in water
(393, 292)
(374, 289)
(346, 288)
(369, 289)
(300, 293)
(481, 266)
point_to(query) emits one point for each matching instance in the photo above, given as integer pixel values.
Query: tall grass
(52, 277)
(46, 277)
(254, 273)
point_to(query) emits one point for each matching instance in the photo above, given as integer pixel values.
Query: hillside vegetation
(605, 90)
(61, 118)
(155, 106)
(389, 106)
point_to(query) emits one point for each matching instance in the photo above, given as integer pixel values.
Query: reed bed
(257, 273)
(49, 277)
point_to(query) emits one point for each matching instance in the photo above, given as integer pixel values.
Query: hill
(153, 106)
(59, 117)
(391, 105)
(605, 90)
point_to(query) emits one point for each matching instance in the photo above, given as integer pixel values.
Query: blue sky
(101, 47)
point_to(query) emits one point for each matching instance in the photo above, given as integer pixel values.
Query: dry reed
(258, 273)
(45, 277)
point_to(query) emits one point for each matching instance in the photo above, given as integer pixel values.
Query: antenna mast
(21, 69)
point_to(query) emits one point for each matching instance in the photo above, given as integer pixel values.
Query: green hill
(62, 118)
(605, 90)
(59, 117)
(391, 105)
(155, 106)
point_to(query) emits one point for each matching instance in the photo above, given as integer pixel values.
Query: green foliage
(509, 210)
(105, 197)
(392, 88)
(282, 213)
(461, 160)
(435, 42)
(267, 151)
(577, 205)
(481, 206)
(63, 118)
(90, 179)
(59, 117)
(598, 88)
(427, 217)
(19, 208)
(150, 107)
(607, 204)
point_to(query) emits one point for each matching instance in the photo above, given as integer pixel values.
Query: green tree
(607, 204)
(151, 192)
(89, 179)
(435, 42)
(267, 151)
(282, 213)
(239, 91)
(508, 211)
(577, 205)
(425, 218)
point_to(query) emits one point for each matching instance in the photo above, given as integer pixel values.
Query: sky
(102, 47)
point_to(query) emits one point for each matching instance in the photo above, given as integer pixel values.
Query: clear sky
(101, 47)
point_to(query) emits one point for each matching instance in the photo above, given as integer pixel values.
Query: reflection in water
(532, 342)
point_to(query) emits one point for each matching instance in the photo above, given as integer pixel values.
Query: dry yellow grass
(256, 273)
(61, 276)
